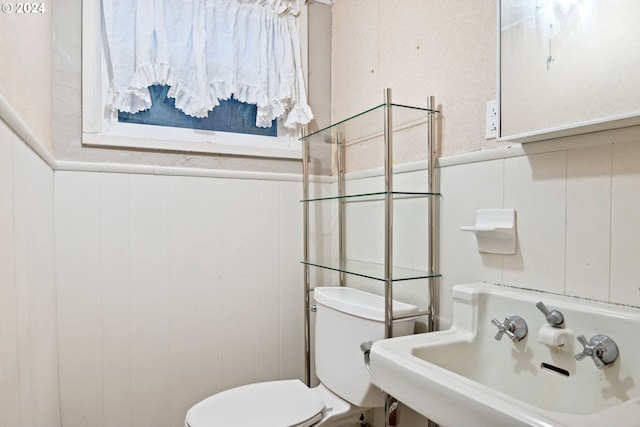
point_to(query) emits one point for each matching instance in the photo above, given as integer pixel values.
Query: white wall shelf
(495, 230)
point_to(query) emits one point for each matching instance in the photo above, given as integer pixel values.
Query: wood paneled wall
(172, 289)
(28, 334)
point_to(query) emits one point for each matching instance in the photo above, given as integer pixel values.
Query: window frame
(100, 127)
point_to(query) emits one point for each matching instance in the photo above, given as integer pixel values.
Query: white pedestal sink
(465, 377)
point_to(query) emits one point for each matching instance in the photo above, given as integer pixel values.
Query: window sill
(173, 140)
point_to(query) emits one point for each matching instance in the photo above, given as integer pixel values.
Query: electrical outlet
(491, 131)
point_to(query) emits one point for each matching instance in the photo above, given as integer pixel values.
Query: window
(230, 116)
(102, 127)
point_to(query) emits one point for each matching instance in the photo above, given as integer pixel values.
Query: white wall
(577, 210)
(25, 61)
(171, 289)
(28, 335)
(319, 82)
(418, 48)
(365, 226)
(29, 393)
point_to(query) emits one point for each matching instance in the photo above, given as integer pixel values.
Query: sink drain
(552, 368)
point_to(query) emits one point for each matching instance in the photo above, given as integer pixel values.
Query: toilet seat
(287, 403)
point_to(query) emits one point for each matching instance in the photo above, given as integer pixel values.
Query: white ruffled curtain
(206, 51)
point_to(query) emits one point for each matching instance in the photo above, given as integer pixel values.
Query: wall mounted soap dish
(495, 231)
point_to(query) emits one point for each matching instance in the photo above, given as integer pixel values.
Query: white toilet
(345, 318)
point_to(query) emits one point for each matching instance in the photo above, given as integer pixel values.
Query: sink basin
(465, 377)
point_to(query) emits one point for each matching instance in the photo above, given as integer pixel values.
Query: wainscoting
(171, 289)
(577, 219)
(28, 332)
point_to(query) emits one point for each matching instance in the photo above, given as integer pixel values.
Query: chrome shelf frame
(385, 272)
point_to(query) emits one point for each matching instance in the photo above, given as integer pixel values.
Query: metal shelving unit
(363, 126)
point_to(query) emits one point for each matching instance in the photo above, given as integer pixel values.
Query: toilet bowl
(345, 318)
(272, 404)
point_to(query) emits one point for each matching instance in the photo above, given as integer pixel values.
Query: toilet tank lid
(358, 303)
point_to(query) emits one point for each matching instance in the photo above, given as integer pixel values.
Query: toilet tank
(345, 318)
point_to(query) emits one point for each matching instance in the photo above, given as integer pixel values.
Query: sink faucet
(554, 317)
(513, 326)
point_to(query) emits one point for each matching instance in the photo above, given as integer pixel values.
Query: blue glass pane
(229, 116)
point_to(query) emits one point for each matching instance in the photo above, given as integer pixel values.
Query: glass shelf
(379, 195)
(369, 123)
(370, 270)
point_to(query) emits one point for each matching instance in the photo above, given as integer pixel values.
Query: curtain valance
(206, 51)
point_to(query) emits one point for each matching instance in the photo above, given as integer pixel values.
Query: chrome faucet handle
(554, 317)
(602, 349)
(500, 326)
(513, 326)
